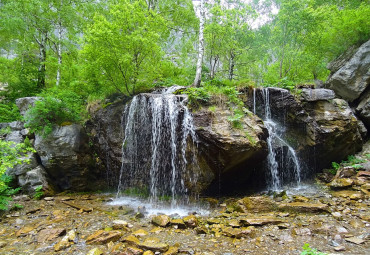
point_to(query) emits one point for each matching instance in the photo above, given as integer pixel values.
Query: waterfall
(287, 169)
(157, 148)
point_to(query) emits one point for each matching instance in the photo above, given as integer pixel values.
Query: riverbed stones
(103, 237)
(95, 251)
(260, 221)
(161, 220)
(304, 207)
(179, 223)
(257, 204)
(49, 234)
(66, 241)
(154, 244)
(119, 224)
(191, 221)
(341, 183)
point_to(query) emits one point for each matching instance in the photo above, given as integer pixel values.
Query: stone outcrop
(319, 128)
(66, 156)
(63, 160)
(350, 79)
(25, 103)
(225, 153)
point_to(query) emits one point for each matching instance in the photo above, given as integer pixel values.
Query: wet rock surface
(330, 220)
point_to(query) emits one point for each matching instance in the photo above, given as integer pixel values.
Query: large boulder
(221, 152)
(66, 156)
(35, 178)
(349, 79)
(25, 103)
(227, 155)
(320, 129)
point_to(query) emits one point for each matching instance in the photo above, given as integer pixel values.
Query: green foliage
(39, 193)
(6, 192)
(197, 96)
(5, 131)
(9, 157)
(351, 161)
(307, 250)
(56, 107)
(9, 112)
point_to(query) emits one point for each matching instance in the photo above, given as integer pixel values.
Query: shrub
(54, 109)
(9, 112)
(9, 157)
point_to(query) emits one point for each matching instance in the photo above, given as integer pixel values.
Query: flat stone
(304, 207)
(154, 245)
(103, 237)
(172, 250)
(134, 250)
(161, 220)
(232, 232)
(148, 253)
(341, 183)
(257, 204)
(95, 251)
(302, 231)
(119, 224)
(178, 222)
(140, 232)
(234, 223)
(191, 221)
(66, 241)
(355, 195)
(260, 221)
(355, 240)
(340, 248)
(24, 231)
(50, 234)
(131, 240)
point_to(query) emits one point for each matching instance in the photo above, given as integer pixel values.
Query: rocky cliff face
(319, 127)
(350, 78)
(62, 161)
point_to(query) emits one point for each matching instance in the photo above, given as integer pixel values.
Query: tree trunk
(198, 74)
(42, 67)
(231, 66)
(59, 53)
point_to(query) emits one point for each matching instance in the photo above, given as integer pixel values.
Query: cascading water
(157, 146)
(282, 160)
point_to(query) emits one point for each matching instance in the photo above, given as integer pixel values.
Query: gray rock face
(25, 167)
(14, 136)
(363, 108)
(320, 131)
(25, 103)
(227, 154)
(350, 79)
(34, 178)
(311, 95)
(66, 156)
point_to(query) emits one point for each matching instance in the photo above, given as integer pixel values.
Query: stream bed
(331, 222)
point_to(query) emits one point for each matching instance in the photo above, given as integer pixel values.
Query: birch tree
(202, 17)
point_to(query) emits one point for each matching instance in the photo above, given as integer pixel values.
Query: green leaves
(54, 108)
(124, 50)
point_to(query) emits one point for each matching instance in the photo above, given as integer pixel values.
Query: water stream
(282, 160)
(157, 147)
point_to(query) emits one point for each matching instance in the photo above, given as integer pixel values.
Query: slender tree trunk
(42, 67)
(231, 66)
(198, 74)
(60, 33)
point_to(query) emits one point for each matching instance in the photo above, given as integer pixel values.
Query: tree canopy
(97, 48)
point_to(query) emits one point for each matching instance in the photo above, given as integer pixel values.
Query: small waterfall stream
(157, 146)
(282, 160)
